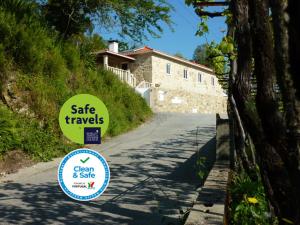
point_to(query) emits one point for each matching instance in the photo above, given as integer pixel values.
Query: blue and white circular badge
(83, 174)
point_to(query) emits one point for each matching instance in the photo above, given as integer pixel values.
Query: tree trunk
(265, 72)
(240, 138)
(241, 88)
(285, 82)
(275, 135)
(272, 145)
(232, 73)
(294, 37)
(294, 53)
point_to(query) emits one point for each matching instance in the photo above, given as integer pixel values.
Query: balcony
(113, 61)
(123, 75)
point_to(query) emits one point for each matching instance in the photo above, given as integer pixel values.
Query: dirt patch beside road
(13, 161)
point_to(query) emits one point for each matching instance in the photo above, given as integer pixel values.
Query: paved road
(153, 179)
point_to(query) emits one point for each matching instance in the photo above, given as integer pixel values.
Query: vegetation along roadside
(39, 71)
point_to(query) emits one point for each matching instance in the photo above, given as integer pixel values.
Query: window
(168, 68)
(199, 77)
(212, 81)
(185, 74)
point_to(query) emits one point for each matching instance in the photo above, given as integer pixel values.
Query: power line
(198, 18)
(185, 7)
(186, 18)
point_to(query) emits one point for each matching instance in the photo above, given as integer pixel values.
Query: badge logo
(84, 119)
(92, 135)
(83, 174)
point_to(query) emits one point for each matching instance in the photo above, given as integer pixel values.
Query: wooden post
(105, 61)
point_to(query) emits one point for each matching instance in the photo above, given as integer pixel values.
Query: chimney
(113, 46)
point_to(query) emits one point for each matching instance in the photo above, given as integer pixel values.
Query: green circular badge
(84, 119)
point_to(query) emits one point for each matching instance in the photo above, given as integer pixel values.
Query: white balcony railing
(144, 84)
(123, 75)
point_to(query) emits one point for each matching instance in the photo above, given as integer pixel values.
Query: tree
(216, 58)
(264, 49)
(179, 55)
(200, 54)
(69, 16)
(87, 45)
(125, 46)
(20, 8)
(134, 19)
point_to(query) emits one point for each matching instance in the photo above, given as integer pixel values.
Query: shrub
(19, 132)
(2, 58)
(40, 143)
(249, 205)
(8, 137)
(71, 55)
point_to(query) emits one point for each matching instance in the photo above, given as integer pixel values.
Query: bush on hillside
(19, 132)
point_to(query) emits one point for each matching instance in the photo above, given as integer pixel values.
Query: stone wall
(142, 68)
(163, 100)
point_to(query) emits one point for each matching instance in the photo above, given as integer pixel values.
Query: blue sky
(183, 38)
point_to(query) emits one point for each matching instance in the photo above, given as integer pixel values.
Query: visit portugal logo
(83, 174)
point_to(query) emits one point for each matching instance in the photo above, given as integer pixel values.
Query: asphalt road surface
(153, 178)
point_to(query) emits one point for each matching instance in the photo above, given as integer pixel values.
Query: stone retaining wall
(209, 208)
(162, 100)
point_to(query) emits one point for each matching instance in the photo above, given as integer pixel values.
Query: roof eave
(103, 52)
(153, 51)
(184, 61)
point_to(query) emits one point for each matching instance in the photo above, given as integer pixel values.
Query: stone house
(168, 83)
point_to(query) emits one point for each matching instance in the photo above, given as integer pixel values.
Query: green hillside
(39, 71)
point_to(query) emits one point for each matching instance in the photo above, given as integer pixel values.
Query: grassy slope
(47, 73)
